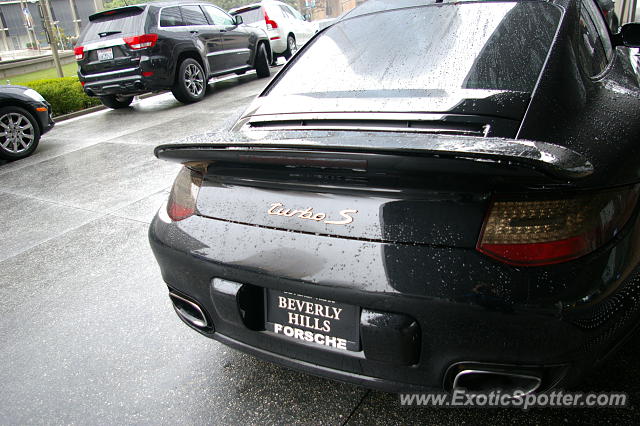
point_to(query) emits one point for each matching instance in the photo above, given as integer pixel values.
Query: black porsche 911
(428, 195)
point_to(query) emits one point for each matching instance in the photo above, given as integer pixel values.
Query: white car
(286, 27)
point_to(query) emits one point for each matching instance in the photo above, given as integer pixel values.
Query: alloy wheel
(293, 47)
(16, 133)
(193, 79)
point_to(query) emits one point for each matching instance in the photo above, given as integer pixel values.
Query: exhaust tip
(487, 380)
(189, 311)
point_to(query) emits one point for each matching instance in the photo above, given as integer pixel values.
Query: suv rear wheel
(116, 101)
(262, 62)
(19, 133)
(190, 83)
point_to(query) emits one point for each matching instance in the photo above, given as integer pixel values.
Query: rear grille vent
(452, 128)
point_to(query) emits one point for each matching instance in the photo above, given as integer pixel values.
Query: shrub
(64, 94)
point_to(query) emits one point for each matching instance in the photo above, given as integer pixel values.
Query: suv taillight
(141, 41)
(270, 23)
(184, 194)
(79, 52)
(544, 232)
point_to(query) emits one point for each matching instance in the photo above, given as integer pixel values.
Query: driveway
(87, 332)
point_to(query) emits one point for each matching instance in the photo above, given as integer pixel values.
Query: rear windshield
(112, 26)
(251, 16)
(407, 52)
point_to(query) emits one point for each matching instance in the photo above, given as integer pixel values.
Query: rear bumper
(517, 323)
(278, 41)
(127, 81)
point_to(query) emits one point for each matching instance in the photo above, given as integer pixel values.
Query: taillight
(544, 232)
(79, 52)
(184, 194)
(141, 41)
(271, 24)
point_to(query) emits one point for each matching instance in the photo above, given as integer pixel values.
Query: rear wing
(395, 150)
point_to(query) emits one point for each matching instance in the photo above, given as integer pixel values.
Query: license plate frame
(105, 54)
(286, 312)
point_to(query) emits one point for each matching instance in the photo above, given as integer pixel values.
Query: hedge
(64, 94)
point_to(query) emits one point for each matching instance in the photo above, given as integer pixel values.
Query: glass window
(130, 21)
(171, 17)
(295, 13)
(193, 15)
(443, 49)
(601, 27)
(251, 16)
(217, 16)
(286, 12)
(591, 53)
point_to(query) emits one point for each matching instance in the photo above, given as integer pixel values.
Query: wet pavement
(87, 332)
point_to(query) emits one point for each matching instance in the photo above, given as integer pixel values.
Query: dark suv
(136, 49)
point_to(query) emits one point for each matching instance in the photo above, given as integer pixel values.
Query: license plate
(105, 54)
(316, 321)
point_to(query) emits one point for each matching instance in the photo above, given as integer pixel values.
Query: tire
(116, 101)
(292, 47)
(191, 83)
(262, 62)
(19, 133)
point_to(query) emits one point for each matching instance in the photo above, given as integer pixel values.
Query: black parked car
(149, 47)
(416, 209)
(24, 117)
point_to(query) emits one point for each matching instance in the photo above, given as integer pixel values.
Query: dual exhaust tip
(189, 311)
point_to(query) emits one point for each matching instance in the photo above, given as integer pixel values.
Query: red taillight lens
(535, 233)
(184, 194)
(270, 23)
(79, 52)
(141, 41)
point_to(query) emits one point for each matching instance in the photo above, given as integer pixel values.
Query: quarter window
(601, 27)
(193, 15)
(590, 49)
(218, 17)
(171, 17)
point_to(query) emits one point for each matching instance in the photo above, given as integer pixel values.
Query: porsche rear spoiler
(363, 151)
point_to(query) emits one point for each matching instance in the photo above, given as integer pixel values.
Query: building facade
(19, 18)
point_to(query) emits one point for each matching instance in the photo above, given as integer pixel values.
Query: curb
(96, 108)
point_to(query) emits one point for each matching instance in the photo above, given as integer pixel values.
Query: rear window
(251, 16)
(120, 24)
(426, 50)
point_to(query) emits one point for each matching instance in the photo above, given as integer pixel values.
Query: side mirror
(306, 17)
(629, 35)
(237, 19)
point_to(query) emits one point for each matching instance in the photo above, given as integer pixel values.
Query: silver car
(286, 27)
